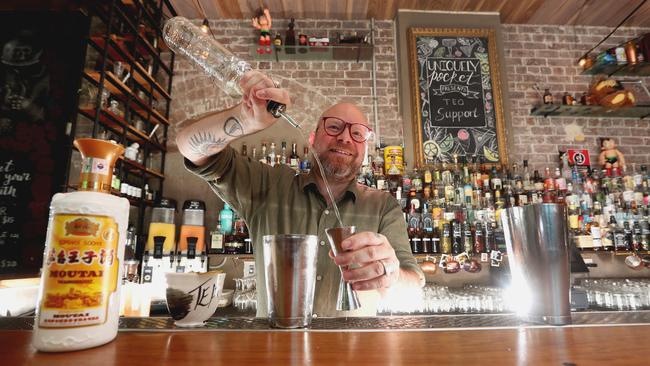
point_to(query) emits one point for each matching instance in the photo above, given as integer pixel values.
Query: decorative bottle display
(455, 208)
(78, 305)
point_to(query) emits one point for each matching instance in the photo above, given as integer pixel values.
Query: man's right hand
(258, 90)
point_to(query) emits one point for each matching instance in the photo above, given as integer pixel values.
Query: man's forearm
(210, 134)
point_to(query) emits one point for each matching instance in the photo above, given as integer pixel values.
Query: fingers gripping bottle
(78, 304)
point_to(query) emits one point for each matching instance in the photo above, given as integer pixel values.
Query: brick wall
(546, 56)
(535, 55)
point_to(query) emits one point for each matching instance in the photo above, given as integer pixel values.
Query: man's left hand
(378, 265)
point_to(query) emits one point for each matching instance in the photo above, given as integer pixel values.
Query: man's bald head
(346, 111)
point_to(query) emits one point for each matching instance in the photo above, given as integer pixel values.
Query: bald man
(276, 200)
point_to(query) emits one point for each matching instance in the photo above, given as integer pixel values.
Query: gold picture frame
(454, 130)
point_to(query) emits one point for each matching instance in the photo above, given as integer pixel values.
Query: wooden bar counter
(626, 344)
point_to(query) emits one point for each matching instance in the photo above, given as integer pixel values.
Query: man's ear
(312, 137)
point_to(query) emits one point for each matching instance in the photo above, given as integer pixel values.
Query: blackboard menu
(456, 94)
(40, 68)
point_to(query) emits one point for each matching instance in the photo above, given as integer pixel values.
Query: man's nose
(344, 136)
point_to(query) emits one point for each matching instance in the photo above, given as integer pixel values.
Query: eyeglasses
(335, 126)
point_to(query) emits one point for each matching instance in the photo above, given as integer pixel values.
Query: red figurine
(262, 22)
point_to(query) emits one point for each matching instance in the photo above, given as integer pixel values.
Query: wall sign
(456, 95)
(579, 157)
(40, 68)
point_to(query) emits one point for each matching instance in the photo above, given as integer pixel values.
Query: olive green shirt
(277, 200)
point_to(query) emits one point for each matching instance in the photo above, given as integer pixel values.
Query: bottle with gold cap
(78, 305)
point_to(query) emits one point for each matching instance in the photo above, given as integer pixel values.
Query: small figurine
(610, 157)
(262, 22)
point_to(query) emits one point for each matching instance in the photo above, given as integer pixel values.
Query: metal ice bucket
(290, 267)
(537, 240)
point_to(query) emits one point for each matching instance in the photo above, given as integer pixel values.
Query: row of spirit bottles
(268, 154)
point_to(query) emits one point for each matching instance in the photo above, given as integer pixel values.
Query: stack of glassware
(245, 296)
(618, 294)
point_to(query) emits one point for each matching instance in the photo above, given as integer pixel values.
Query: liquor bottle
(549, 194)
(417, 182)
(618, 235)
(270, 158)
(254, 154)
(263, 157)
(548, 97)
(457, 237)
(244, 150)
(645, 234)
(290, 38)
(627, 231)
(445, 242)
(636, 235)
(216, 241)
(468, 238)
(490, 242)
(526, 179)
(86, 236)
(435, 241)
(294, 159)
(305, 163)
(479, 241)
(226, 219)
(427, 238)
(283, 154)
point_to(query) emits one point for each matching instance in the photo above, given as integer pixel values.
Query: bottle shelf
(137, 168)
(339, 52)
(560, 110)
(117, 123)
(134, 201)
(619, 69)
(117, 51)
(144, 47)
(117, 87)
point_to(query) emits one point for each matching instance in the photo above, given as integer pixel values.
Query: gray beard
(339, 172)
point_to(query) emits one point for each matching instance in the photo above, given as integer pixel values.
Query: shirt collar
(309, 182)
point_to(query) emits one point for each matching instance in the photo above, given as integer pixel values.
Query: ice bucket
(537, 241)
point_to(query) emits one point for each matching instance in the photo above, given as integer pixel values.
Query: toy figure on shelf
(610, 157)
(262, 22)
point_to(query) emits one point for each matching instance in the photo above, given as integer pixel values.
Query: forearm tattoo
(204, 143)
(232, 127)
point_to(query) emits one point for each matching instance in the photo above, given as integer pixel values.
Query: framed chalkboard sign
(456, 94)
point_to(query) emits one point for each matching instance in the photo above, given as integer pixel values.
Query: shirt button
(314, 315)
(319, 277)
(326, 212)
(322, 242)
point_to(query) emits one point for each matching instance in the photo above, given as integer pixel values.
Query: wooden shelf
(117, 87)
(136, 167)
(594, 111)
(118, 51)
(113, 121)
(339, 52)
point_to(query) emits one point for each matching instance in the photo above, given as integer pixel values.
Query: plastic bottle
(78, 304)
